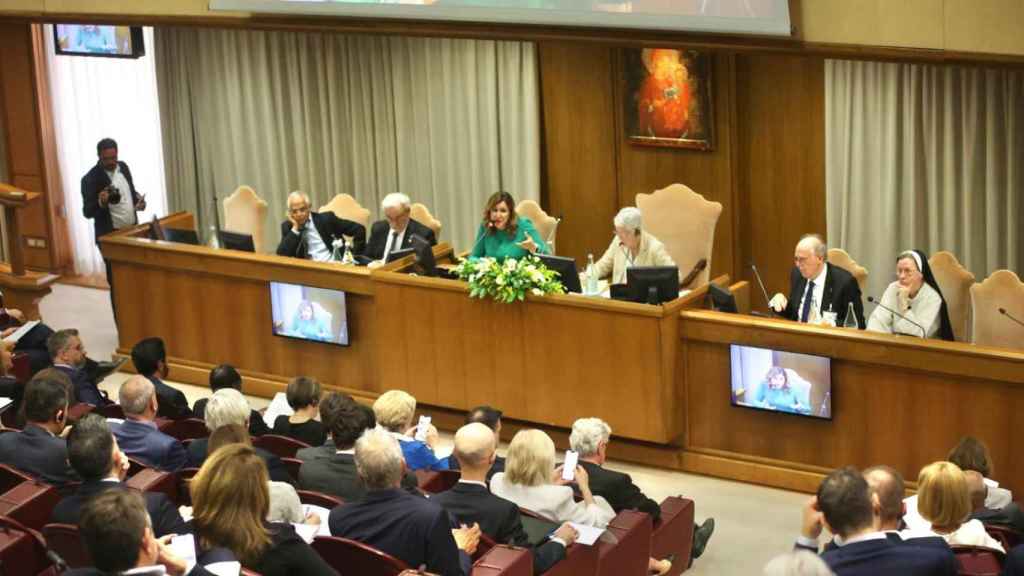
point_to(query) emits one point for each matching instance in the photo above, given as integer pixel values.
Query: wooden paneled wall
(766, 168)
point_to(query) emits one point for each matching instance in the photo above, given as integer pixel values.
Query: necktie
(806, 308)
(394, 244)
(303, 250)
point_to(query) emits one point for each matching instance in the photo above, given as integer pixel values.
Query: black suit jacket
(208, 557)
(1010, 516)
(85, 388)
(379, 237)
(841, 289)
(893, 537)
(197, 451)
(171, 402)
(618, 489)
(1014, 565)
(257, 427)
(330, 228)
(324, 470)
(498, 466)
(39, 454)
(162, 512)
(875, 557)
(411, 528)
(94, 181)
(498, 518)
(288, 555)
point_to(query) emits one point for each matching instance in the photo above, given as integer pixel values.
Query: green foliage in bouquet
(510, 280)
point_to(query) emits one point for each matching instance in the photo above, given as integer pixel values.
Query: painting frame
(683, 119)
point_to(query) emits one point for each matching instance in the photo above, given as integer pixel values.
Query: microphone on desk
(489, 226)
(760, 282)
(874, 301)
(1010, 316)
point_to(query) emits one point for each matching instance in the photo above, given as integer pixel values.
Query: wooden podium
(23, 289)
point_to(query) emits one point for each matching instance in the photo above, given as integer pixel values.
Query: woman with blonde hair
(943, 501)
(230, 500)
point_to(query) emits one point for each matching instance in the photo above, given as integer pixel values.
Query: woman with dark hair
(777, 394)
(916, 296)
(972, 454)
(503, 234)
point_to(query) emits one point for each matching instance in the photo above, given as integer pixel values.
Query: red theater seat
(65, 540)
(185, 429)
(1009, 537)
(437, 481)
(625, 548)
(282, 446)
(351, 557)
(505, 561)
(978, 561)
(29, 503)
(22, 550)
(673, 533)
(185, 476)
(150, 480)
(11, 477)
(319, 499)
(111, 411)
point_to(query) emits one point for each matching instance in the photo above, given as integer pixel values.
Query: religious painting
(667, 100)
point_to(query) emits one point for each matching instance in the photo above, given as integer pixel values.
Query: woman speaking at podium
(503, 234)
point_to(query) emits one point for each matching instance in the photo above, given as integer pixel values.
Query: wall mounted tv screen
(309, 313)
(779, 381)
(98, 40)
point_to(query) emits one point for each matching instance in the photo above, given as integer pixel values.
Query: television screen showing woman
(309, 313)
(779, 381)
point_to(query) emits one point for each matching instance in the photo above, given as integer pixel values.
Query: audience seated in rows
(471, 502)
(39, 449)
(225, 376)
(404, 525)
(943, 500)
(138, 436)
(303, 396)
(491, 417)
(95, 456)
(848, 509)
(228, 406)
(68, 355)
(230, 504)
(284, 501)
(116, 532)
(150, 359)
(395, 411)
(1014, 565)
(1009, 516)
(589, 439)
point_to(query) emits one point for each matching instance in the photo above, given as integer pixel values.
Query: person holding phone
(109, 198)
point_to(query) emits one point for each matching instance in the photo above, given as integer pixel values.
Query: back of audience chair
(11, 477)
(185, 476)
(150, 480)
(185, 429)
(292, 465)
(65, 540)
(505, 561)
(1009, 537)
(29, 503)
(111, 411)
(437, 481)
(978, 561)
(282, 446)
(351, 557)
(625, 547)
(319, 499)
(673, 533)
(22, 550)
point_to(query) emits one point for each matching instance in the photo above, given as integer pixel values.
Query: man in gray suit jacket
(38, 450)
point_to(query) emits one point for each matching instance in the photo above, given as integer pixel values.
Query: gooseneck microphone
(764, 292)
(1008, 315)
(874, 301)
(490, 226)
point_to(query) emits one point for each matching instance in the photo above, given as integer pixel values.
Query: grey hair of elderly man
(137, 396)
(587, 436)
(226, 406)
(629, 218)
(379, 459)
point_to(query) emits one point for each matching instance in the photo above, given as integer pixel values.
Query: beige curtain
(928, 157)
(447, 122)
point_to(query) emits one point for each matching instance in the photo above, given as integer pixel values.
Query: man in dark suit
(38, 450)
(102, 466)
(818, 289)
(312, 235)
(228, 406)
(68, 355)
(490, 417)
(1009, 516)
(1014, 565)
(395, 232)
(845, 502)
(225, 376)
(116, 532)
(589, 439)
(149, 356)
(471, 502)
(109, 197)
(138, 435)
(408, 527)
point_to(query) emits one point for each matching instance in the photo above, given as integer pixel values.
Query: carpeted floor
(753, 523)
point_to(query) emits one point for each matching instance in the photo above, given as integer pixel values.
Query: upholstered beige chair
(842, 258)
(419, 213)
(546, 225)
(955, 282)
(246, 212)
(1003, 289)
(685, 223)
(345, 206)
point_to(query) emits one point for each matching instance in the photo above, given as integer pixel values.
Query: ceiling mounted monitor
(757, 17)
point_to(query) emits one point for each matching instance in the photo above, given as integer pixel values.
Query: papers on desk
(587, 534)
(184, 547)
(5, 403)
(17, 334)
(307, 531)
(278, 406)
(224, 568)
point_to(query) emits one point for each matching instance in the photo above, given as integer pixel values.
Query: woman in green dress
(503, 234)
(777, 394)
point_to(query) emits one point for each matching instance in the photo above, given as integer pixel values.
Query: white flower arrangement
(510, 280)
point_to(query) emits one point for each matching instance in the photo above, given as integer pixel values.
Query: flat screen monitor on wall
(309, 313)
(98, 40)
(780, 381)
(758, 17)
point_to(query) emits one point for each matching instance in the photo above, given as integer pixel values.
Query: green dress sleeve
(526, 227)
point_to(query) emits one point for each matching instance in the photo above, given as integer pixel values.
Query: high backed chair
(1002, 290)
(545, 224)
(955, 282)
(282, 446)
(685, 223)
(29, 503)
(419, 213)
(351, 557)
(842, 258)
(345, 206)
(246, 212)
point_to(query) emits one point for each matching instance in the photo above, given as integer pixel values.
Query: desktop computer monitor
(566, 268)
(424, 255)
(721, 299)
(181, 236)
(235, 241)
(653, 284)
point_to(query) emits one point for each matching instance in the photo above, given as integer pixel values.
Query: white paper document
(587, 534)
(278, 406)
(184, 547)
(308, 532)
(14, 337)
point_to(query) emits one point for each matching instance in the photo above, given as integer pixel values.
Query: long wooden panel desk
(896, 400)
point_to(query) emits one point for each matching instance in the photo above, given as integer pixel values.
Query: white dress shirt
(316, 248)
(819, 290)
(122, 214)
(398, 237)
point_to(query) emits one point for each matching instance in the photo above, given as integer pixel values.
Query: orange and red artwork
(667, 99)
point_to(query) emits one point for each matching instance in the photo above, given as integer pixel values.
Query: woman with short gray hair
(631, 246)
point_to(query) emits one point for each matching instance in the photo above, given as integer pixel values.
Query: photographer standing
(109, 198)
